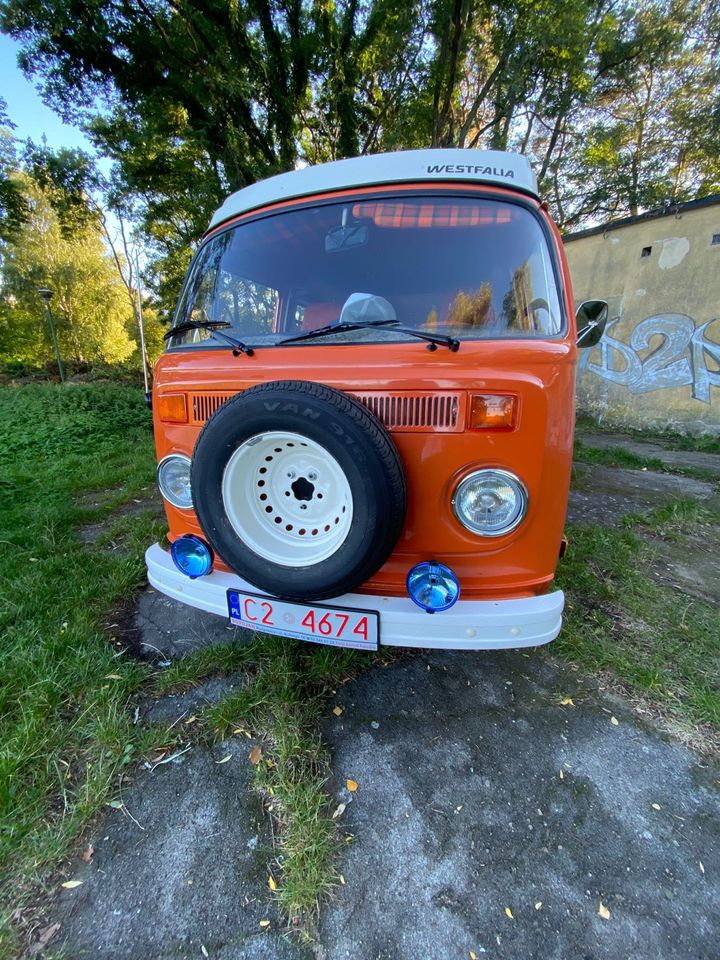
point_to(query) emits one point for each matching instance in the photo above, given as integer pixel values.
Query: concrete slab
(479, 793)
(163, 629)
(183, 871)
(606, 494)
(674, 459)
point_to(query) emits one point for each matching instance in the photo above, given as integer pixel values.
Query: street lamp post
(45, 294)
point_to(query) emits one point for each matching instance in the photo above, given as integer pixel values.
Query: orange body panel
(539, 373)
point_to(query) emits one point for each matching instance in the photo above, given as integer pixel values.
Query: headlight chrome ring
(490, 502)
(173, 478)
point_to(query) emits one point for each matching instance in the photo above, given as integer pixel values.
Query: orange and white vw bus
(364, 415)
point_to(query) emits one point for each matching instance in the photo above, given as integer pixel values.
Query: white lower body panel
(469, 625)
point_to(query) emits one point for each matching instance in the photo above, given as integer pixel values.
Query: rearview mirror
(343, 238)
(591, 317)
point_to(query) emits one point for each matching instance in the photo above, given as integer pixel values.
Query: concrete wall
(659, 362)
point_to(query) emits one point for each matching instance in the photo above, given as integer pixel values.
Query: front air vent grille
(417, 412)
(428, 412)
(204, 405)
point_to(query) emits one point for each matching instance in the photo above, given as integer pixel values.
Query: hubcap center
(302, 489)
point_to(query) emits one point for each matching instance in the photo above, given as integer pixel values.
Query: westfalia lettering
(468, 168)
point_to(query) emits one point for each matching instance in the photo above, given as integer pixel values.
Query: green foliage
(615, 103)
(66, 177)
(618, 619)
(13, 208)
(90, 306)
(65, 728)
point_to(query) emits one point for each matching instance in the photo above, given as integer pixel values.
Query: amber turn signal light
(172, 408)
(492, 412)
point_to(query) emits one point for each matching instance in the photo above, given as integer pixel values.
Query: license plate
(317, 622)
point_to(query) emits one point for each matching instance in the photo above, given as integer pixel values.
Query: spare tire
(299, 489)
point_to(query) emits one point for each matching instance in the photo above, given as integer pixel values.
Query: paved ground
(479, 793)
(709, 463)
(606, 494)
(180, 872)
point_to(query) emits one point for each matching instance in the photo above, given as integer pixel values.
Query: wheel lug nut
(303, 506)
(291, 474)
(312, 476)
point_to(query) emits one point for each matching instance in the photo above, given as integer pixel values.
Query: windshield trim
(453, 190)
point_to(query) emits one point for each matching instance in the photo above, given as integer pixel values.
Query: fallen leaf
(190, 720)
(458, 809)
(562, 775)
(113, 676)
(538, 905)
(702, 868)
(71, 884)
(473, 955)
(255, 758)
(116, 804)
(656, 806)
(603, 911)
(509, 913)
(614, 721)
(271, 883)
(352, 785)
(203, 950)
(264, 923)
(338, 711)
(339, 811)
(88, 854)
(567, 702)
(225, 759)
(342, 879)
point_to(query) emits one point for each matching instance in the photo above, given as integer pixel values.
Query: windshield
(462, 267)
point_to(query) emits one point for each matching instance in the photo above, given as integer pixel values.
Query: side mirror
(591, 317)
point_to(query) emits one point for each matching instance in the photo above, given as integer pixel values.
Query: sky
(33, 119)
(26, 109)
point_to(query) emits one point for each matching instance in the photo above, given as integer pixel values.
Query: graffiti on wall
(681, 359)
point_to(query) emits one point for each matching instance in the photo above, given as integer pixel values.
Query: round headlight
(173, 477)
(490, 502)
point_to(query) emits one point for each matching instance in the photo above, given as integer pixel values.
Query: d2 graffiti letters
(680, 359)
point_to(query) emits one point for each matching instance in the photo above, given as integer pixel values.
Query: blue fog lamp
(192, 556)
(433, 586)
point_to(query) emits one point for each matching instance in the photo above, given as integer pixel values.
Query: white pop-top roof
(405, 166)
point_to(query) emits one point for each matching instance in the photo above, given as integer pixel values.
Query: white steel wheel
(287, 498)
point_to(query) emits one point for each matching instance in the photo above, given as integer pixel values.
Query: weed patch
(619, 619)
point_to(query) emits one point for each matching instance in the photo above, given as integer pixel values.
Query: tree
(90, 306)
(614, 101)
(12, 204)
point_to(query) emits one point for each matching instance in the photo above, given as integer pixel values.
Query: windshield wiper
(433, 339)
(334, 328)
(210, 325)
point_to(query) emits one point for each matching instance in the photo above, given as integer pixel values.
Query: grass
(619, 619)
(65, 730)
(286, 691)
(620, 457)
(672, 440)
(70, 456)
